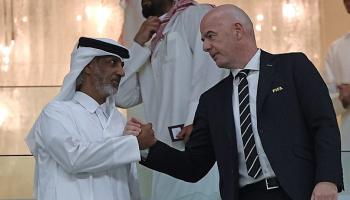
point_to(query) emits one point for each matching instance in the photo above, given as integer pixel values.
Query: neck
(245, 57)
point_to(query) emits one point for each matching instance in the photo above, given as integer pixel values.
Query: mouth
(213, 56)
(115, 82)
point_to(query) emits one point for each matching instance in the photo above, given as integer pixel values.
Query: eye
(211, 36)
(116, 62)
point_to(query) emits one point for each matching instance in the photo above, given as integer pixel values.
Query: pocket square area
(277, 89)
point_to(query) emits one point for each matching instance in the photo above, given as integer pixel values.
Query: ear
(238, 31)
(89, 68)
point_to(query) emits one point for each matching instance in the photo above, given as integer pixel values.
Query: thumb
(182, 134)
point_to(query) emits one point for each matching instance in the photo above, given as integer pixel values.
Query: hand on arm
(185, 133)
(132, 127)
(147, 29)
(146, 137)
(344, 94)
(325, 191)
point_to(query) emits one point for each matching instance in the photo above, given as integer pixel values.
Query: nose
(206, 46)
(120, 70)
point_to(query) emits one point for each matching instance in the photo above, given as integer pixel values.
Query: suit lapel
(265, 78)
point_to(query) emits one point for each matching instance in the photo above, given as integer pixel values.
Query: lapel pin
(277, 89)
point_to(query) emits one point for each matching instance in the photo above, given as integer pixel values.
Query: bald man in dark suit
(270, 125)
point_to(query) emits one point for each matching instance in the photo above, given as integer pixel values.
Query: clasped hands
(143, 132)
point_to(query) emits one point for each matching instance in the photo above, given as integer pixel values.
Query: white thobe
(170, 84)
(337, 71)
(81, 153)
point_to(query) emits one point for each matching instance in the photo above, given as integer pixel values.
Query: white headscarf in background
(84, 51)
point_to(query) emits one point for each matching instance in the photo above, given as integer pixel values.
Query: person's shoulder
(341, 39)
(198, 9)
(340, 42)
(57, 107)
(296, 53)
(219, 86)
(291, 55)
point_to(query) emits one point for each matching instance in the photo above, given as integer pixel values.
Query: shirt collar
(86, 101)
(253, 64)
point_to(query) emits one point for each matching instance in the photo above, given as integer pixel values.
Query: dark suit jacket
(297, 126)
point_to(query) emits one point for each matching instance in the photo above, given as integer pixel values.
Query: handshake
(143, 132)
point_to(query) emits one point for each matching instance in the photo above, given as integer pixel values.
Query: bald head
(228, 14)
(228, 36)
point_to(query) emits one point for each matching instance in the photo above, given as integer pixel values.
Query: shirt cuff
(144, 154)
(128, 145)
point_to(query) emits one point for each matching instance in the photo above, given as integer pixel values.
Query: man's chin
(109, 91)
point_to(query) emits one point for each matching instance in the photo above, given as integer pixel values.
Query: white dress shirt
(253, 77)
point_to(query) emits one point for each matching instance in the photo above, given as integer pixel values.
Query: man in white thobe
(337, 77)
(168, 76)
(80, 149)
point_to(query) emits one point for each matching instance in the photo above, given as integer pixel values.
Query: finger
(137, 129)
(135, 120)
(181, 135)
(146, 126)
(153, 18)
(134, 133)
(133, 124)
(131, 127)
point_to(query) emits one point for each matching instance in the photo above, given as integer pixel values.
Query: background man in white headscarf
(337, 77)
(80, 150)
(168, 76)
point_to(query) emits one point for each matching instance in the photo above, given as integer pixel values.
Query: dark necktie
(250, 152)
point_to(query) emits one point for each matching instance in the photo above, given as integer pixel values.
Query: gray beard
(106, 89)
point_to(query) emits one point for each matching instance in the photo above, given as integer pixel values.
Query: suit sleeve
(321, 120)
(192, 164)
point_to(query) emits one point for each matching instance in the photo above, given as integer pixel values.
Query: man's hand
(147, 29)
(325, 191)
(185, 133)
(344, 94)
(146, 138)
(133, 127)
